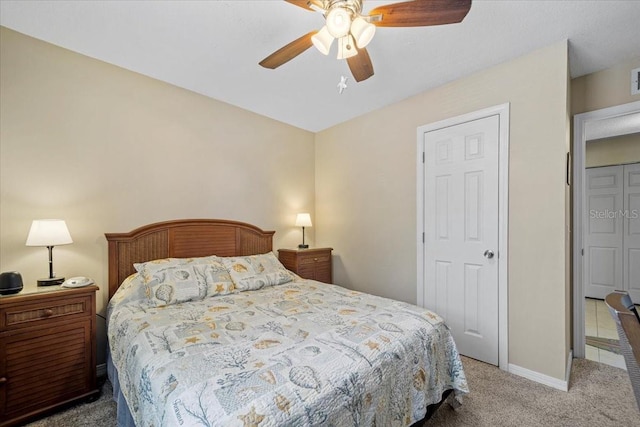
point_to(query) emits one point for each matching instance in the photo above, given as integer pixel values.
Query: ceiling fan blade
(360, 65)
(421, 13)
(306, 4)
(288, 52)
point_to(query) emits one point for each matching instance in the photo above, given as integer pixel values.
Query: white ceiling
(213, 47)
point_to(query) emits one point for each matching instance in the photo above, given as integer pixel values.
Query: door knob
(489, 253)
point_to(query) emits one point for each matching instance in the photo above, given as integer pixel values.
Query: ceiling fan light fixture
(322, 40)
(338, 22)
(362, 31)
(354, 31)
(346, 47)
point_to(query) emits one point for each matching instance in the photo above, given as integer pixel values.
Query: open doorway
(611, 238)
(592, 126)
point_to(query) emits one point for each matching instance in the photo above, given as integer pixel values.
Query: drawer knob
(48, 312)
(315, 259)
(3, 380)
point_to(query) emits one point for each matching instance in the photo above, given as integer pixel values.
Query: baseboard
(101, 369)
(542, 378)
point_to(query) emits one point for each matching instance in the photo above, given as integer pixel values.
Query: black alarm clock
(10, 283)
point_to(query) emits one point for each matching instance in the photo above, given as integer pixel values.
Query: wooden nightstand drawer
(30, 314)
(311, 259)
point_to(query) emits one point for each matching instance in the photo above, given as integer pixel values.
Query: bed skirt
(123, 415)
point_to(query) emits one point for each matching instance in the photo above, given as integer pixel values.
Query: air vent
(635, 81)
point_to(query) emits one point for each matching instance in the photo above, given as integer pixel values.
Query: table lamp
(303, 220)
(49, 233)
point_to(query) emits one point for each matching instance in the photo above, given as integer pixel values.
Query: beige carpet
(101, 413)
(600, 395)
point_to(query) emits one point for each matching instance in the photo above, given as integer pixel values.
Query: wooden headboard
(183, 238)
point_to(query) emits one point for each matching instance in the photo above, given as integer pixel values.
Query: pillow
(256, 271)
(173, 284)
(219, 280)
(175, 280)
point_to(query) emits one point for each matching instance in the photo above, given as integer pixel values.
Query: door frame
(502, 111)
(580, 122)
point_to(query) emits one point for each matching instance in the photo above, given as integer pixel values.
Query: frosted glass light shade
(303, 220)
(48, 232)
(362, 31)
(322, 40)
(338, 22)
(346, 47)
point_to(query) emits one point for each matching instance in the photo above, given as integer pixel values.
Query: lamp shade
(48, 232)
(362, 31)
(322, 40)
(303, 220)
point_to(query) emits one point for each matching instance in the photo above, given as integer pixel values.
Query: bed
(206, 327)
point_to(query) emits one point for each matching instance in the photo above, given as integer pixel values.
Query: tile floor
(599, 323)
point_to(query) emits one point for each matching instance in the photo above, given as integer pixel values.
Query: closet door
(631, 218)
(603, 240)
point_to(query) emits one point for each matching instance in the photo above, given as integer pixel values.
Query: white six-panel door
(461, 233)
(631, 244)
(603, 237)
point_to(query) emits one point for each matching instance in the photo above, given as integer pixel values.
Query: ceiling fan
(353, 30)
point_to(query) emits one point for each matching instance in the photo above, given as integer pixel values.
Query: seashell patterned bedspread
(297, 354)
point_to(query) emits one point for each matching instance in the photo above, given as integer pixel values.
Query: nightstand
(47, 351)
(312, 264)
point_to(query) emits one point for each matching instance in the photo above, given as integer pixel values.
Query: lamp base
(303, 246)
(51, 281)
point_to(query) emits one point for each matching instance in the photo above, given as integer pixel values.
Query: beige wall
(613, 151)
(366, 197)
(109, 150)
(606, 88)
